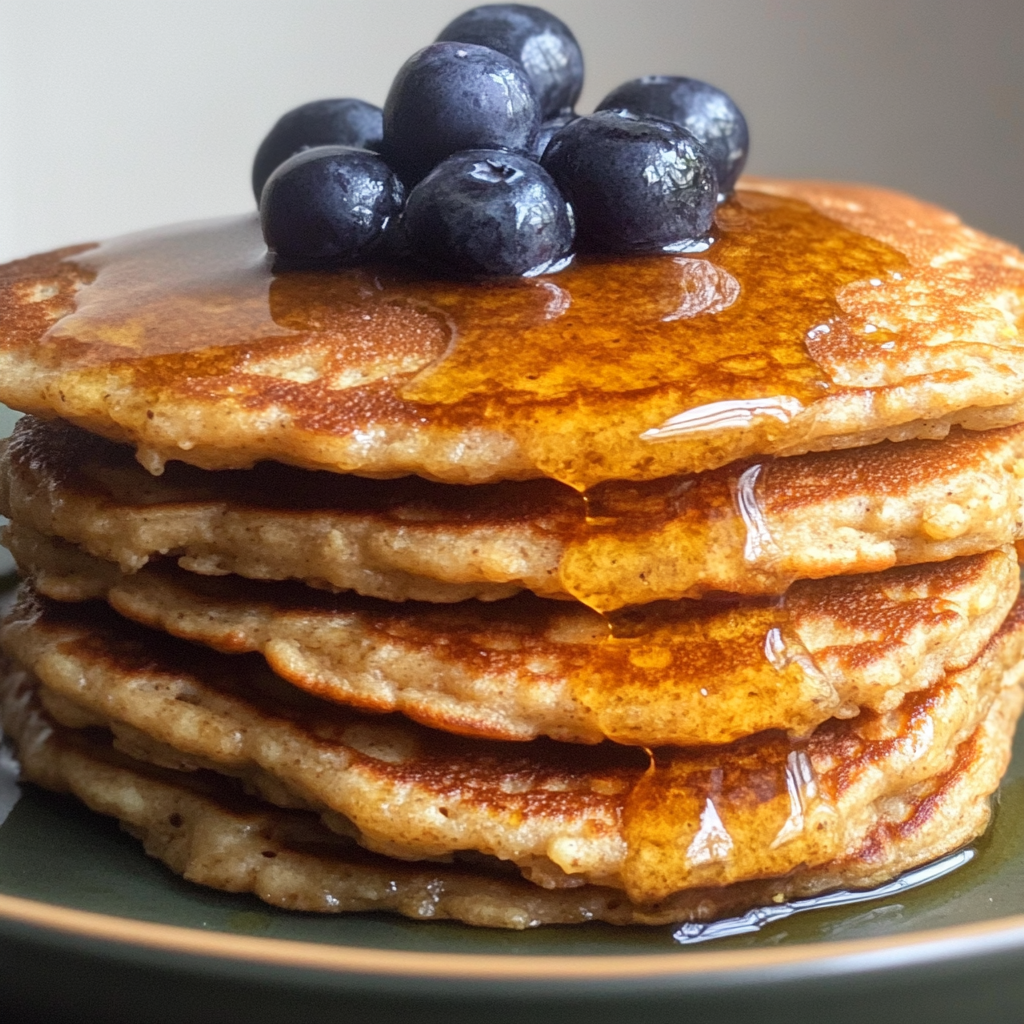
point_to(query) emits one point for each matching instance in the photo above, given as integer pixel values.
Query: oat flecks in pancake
(564, 814)
(748, 528)
(203, 829)
(677, 673)
(347, 385)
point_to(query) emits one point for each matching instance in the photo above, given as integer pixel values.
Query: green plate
(93, 930)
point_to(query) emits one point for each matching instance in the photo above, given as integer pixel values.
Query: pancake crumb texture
(206, 830)
(747, 529)
(564, 815)
(690, 674)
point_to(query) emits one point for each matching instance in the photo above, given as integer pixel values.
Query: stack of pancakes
(651, 591)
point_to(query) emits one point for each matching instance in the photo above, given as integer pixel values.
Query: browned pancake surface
(563, 814)
(204, 829)
(673, 673)
(823, 316)
(749, 528)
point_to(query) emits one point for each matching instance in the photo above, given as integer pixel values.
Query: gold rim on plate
(917, 947)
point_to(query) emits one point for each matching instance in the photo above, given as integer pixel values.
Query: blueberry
(542, 44)
(548, 129)
(453, 96)
(330, 204)
(637, 184)
(320, 123)
(484, 211)
(706, 112)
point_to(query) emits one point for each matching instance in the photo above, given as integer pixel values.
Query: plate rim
(806, 960)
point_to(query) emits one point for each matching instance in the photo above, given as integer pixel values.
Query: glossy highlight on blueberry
(453, 96)
(548, 129)
(329, 205)
(707, 113)
(540, 42)
(333, 122)
(637, 184)
(489, 212)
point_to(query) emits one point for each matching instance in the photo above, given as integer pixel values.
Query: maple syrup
(689, 673)
(715, 817)
(616, 556)
(613, 369)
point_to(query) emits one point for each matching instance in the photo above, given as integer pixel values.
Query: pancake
(651, 824)
(203, 828)
(751, 528)
(824, 316)
(689, 674)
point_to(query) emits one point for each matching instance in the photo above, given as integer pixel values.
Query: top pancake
(824, 316)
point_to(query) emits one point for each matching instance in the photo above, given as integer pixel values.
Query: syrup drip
(699, 818)
(684, 673)
(652, 540)
(754, 920)
(759, 545)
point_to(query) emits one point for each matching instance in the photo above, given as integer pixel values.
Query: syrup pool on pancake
(190, 337)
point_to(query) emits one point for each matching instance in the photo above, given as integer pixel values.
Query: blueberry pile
(478, 164)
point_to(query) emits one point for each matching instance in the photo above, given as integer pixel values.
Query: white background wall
(118, 114)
